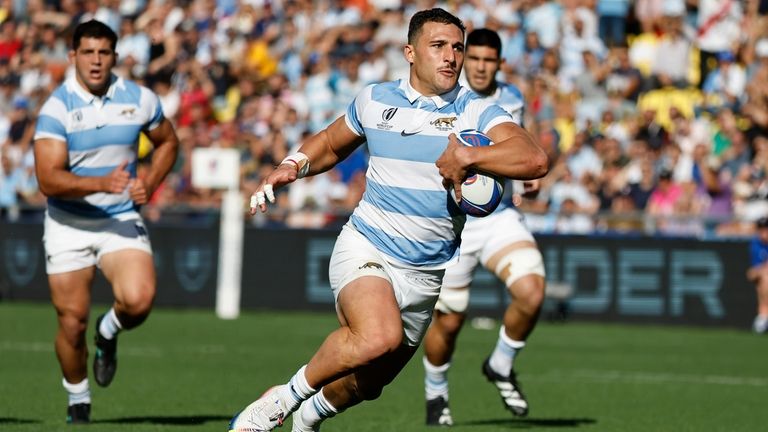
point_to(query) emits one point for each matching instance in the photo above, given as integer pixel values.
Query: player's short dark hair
(485, 38)
(431, 15)
(93, 29)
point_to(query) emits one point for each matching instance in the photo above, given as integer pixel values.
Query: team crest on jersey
(77, 116)
(443, 123)
(128, 113)
(386, 116)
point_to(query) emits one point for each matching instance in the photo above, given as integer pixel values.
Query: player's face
(436, 58)
(481, 65)
(93, 61)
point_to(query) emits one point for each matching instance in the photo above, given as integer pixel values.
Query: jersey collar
(74, 86)
(439, 100)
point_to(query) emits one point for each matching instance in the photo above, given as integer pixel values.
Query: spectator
(570, 220)
(672, 61)
(624, 79)
(724, 86)
(758, 273)
(718, 30)
(612, 21)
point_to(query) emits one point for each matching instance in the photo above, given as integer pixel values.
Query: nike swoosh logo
(404, 133)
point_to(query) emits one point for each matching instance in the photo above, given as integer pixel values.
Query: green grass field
(187, 370)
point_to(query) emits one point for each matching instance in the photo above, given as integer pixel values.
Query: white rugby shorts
(74, 243)
(481, 239)
(415, 290)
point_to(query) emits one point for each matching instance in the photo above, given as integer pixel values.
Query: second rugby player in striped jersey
(503, 245)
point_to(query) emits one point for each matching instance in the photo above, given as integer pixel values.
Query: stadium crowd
(654, 111)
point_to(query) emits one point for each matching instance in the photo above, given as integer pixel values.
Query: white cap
(761, 48)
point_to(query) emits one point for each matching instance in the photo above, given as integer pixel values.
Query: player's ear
(408, 53)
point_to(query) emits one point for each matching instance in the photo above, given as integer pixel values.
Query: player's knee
(450, 324)
(73, 327)
(137, 301)
(379, 342)
(528, 293)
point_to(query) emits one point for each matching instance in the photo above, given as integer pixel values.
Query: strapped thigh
(520, 262)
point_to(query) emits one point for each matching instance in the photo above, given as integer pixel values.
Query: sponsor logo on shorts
(371, 264)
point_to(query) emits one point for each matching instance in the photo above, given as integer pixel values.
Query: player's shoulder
(129, 89)
(387, 91)
(468, 98)
(511, 89)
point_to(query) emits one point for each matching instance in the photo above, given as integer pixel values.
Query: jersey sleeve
(356, 109)
(153, 108)
(52, 120)
(489, 115)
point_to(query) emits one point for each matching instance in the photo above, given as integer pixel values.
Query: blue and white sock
(317, 409)
(503, 355)
(110, 326)
(78, 393)
(436, 380)
(297, 390)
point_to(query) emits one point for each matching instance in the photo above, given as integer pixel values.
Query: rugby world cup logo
(388, 114)
(21, 260)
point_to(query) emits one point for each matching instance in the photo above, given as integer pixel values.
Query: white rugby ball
(481, 193)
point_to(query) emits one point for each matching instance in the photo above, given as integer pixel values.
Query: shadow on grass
(13, 420)
(165, 420)
(530, 423)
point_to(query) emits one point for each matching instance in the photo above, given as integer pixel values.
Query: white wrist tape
(300, 161)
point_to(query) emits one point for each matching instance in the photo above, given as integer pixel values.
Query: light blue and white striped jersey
(405, 211)
(101, 133)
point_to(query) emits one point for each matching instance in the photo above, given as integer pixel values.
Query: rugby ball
(481, 193)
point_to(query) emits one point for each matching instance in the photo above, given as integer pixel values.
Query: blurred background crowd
(654, 111)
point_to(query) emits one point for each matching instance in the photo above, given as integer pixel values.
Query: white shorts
(416, 291)
(74, 243)
(480, 240)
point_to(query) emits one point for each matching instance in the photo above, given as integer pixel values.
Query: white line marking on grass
(137, 351)
(649, 377)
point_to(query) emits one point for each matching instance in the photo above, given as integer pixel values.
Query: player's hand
(452, 166)
(138, 191)
(531, 188)
(116, 181)
(282, 175)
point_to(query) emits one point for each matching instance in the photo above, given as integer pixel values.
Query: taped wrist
(300, 161)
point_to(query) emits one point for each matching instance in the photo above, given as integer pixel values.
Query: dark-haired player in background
(500, 242)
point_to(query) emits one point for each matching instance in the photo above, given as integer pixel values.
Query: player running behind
(502, 244)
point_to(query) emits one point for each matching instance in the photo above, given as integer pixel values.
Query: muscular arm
(324, 150)
(330, 146)
(166, 145)
(514, 155)
(55, 180)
